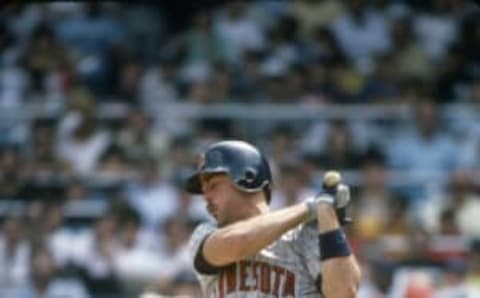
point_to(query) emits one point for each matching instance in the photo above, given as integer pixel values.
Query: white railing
(238, 111)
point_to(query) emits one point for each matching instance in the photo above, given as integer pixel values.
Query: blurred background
(104, 106)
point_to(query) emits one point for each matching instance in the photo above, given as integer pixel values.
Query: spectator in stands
(114, 166)
(410, 61)
(283, 49)
(248, 81)
(415, 90)
(413, 283)
(345, 83)
(282, 145)
(129, 81)
(318, 85)
(53, 235)
(188, 205)
(448, 225)
(436, 29)
(361, 33)
(191, 206)
(10, 167)
(419, 250)
(153, 197)
(276, 87)
(76, 191)
(141, 137)
(240, 32)
(453, 282)
(465, 127)
(14, 254)
(81, 141)
(181, 154)
(451, 76)
(383, 84)
(222, 84)
(203, 44)
(158, 84)
(43, 281)
(45, 58)
(94, 37)
(473, 266)
(292, 186)
(22, 21)
(13, 78)
(296, 79)
(339, 153)
(94, 252)
(314, 14)
(398, 222)
(392, 244)
(205, 92)
(173, 249)
(470, 44)
(145, 29)
(92, 30)
(309, 170)
(423, 153)
(43, 162)
(34, 211)
(136, 262)
(214, 88)
(14, 86)
(8, 51)
(464, 9)
(200, 92)
(369, 286)
(372, 206)
(461, 203)
(184, 285)
(85, 146)
(324, 47)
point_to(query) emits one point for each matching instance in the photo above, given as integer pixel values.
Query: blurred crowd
(91, 203)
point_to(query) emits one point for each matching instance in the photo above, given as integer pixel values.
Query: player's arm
(247, 237)
(340, 274)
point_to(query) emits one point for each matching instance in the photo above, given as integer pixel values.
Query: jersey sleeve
(307, 246)
(197, 240)
(206, 279)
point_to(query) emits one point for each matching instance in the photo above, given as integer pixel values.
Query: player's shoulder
(199, 233)
(204, 228)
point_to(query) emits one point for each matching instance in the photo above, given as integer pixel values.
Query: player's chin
(213, 214)
(221, 222)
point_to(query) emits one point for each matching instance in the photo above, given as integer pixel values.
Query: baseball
(332, 178)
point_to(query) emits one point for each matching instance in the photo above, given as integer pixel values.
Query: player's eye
(208, 186)
(212, 185)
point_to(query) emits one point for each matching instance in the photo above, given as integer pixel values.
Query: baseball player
(297, 251)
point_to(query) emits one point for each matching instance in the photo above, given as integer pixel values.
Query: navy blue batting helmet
(246, 166)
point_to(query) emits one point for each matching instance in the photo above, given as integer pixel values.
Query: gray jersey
(289, 267)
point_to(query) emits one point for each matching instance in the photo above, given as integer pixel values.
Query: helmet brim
(193, 184)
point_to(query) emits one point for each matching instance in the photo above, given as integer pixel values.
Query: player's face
(223, 199)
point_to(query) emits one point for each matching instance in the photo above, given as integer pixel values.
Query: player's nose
(206, 193)
(208, 198)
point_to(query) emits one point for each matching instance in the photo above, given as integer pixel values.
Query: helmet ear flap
(250, 175)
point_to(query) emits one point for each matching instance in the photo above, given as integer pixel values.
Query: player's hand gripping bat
(332, 184)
